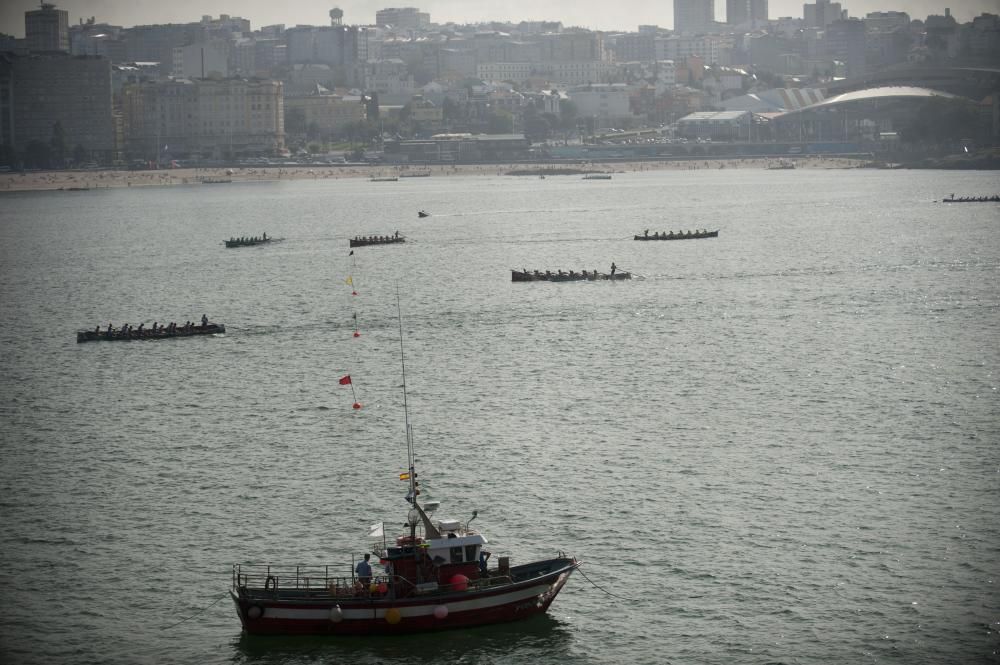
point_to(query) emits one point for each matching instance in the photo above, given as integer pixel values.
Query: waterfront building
(459, 148)
(210, 119)
(46, 29)
(716, 125)
(329, 113)
(605, 103)
(74, 91)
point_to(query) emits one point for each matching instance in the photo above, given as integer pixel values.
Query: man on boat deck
(613, 268)
(484, 556)
(204, 321)
(364, 571)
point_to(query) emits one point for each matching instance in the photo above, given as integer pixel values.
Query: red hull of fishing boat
(501, 604)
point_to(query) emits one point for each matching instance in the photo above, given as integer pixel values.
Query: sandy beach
(74, 180)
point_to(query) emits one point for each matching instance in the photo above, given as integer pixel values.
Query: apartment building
(74, 91)
(203, 118)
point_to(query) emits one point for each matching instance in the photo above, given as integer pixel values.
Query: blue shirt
(363, 569)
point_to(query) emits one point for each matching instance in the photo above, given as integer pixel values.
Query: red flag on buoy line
(346, 381)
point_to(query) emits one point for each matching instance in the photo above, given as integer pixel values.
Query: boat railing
(320, 581)
(310, 580)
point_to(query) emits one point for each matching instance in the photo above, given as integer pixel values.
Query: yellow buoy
(392, 616)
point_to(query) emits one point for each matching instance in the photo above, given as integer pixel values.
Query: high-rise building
(822, 13)
(739, 12)
(693, 15)
(845, 41)
(74, 91)
(47, 29)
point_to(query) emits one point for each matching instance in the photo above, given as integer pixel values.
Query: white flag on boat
(377, 530)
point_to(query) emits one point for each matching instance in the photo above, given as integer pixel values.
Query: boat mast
(430, 531)
(412, 496)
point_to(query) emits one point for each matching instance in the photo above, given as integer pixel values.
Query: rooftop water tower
(336, 16)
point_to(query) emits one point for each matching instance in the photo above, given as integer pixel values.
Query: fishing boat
(248, 241)
(127, 333)
(435, 576)
(679, 235)
(364, 241)
(567, 276)
(597, 176)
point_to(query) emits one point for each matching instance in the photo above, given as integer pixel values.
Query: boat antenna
(412, 496)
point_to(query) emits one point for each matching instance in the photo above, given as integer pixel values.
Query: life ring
(270, 583)
(255, 612)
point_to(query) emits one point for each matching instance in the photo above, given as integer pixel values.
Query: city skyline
(625, 15)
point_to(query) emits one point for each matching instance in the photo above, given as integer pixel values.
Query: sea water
(775, 446)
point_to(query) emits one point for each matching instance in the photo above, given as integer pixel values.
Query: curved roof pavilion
(874, 94)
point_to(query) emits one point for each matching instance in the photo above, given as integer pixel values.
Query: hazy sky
(595, 14)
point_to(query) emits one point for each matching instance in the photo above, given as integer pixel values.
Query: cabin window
(470, 552)
(456, 554)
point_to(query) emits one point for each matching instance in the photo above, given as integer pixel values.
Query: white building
(517, 72)
(206, 118)
(390, 80)
(714, 49)
(603, 102)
